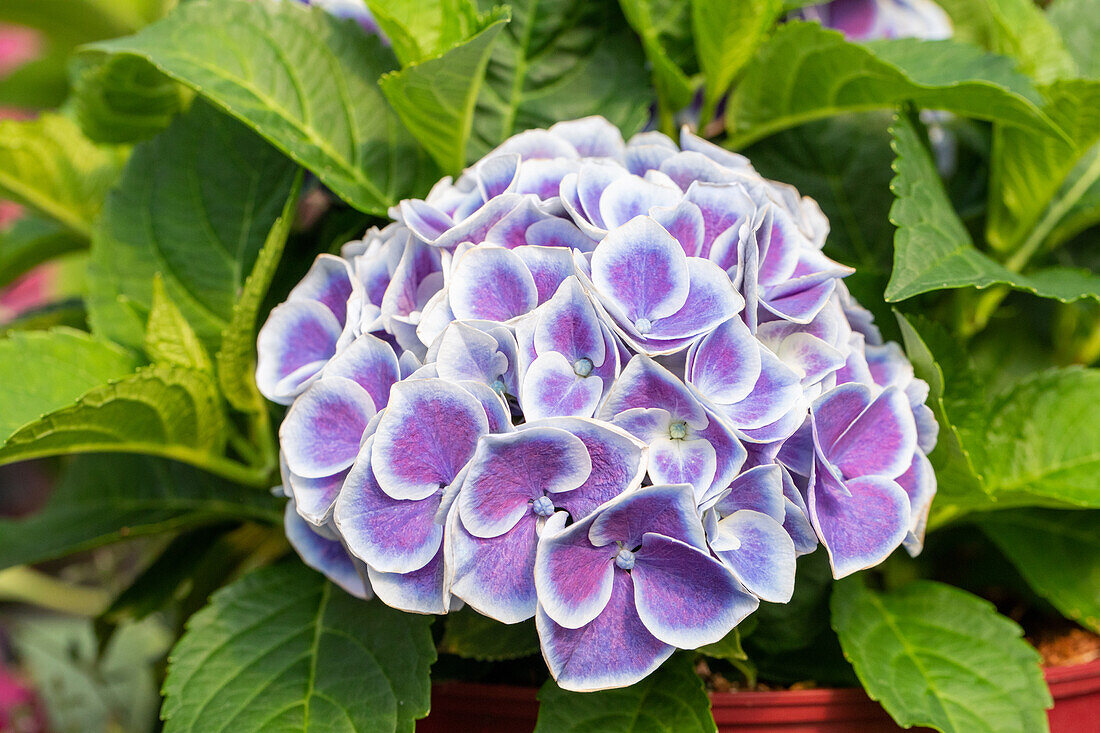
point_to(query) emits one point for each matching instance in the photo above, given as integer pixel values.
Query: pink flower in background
(19, 710)
(18, 45)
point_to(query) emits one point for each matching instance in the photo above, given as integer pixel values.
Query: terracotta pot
(477, 708)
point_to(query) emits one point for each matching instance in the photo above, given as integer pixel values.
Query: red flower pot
(477, 708)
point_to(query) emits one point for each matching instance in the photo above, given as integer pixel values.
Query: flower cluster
(866, 20)
(612, 386)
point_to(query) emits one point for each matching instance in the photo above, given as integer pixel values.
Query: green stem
(991, 299)
(26, 585)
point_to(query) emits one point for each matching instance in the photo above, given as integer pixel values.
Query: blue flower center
(498, 385)
(542, 506)
(643, 326)
(582, 367)
(625, 559)
(678, 430)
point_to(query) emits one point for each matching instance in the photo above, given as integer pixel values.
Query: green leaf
(124, 99)
(42, 83)
(1079, 25)
(195, 205)
(284, 649)
(32, 240)
(471, 635)
(300, 78)
(160, 410)
(1058, 553)
(1085, 210)
(663, 26)
(955, 393)
(236, 359)
(932, 248)
(72, 22)
(1016, 28)
(169, 338)
(728, 647)
(83, 689)
(559, 60)
(1042, 437)
(421, 29)
(820, 75)
(786, 627)
(844, 164)
(671, 700)
(66, 364)
(1029, 170)
(727, 35)
(937, 656)
(436, 97)
(50, 166)
(107, 498)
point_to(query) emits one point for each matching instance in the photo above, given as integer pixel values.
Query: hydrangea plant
(411, 342)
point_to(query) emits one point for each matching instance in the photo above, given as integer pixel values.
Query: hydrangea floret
(614, 386)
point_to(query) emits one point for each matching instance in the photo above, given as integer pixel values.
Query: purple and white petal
(613, 650)
(421, 591)
(495, 576)
(324, 428)
(426, 435)
(645, 383)
(325, 555)
(880, 442)
(641, 270)
(724, 365)
(666, 510)
(593, 137)
(553, 387)
(508, 472)
(467, 353)
(328, 282)
(569, 325)
(684, 596)
(491, 283)
(549, 267)
(369, 362)
(573, 577)
(759, 552)
(295, 343)
(680, 461)
(759, 489)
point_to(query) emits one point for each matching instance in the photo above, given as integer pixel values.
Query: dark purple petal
(725, 364)
(425, 437)
(493, 284)
(642, 270)
(666, 510)
(509, 471)
(369, 362)
(573, 577)
(613, 650)
(618, 464)
(495, 576)
(684, 596)
(759, 552)
(296, 342)
(421, 591)
(549, 268)
(880, 442)
(324, 555)
(859, 530)
(328, 282)
(390, 535)
(552, 388)
(645, 383)
(684, 222)
(323, 429)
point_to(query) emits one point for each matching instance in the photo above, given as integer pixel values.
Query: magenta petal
(725, 364)
(323, 429)
(723, 205)
(509, 471)
(861, 530)
(294, 344)
(684, 596)
(425, 437)
(880, 442)
(495, 576)
(493, 284)
(642, 270)
(759, 552)
(613, 650)
(552, 388)
(390, 535)
(369, 362)
(421, 591)
(573, 577)
(324, 555)
(667, 510)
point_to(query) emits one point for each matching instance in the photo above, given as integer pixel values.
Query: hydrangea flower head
(614, 386)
